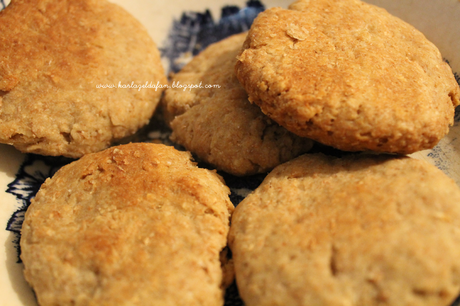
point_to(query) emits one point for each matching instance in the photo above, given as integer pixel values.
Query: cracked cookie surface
(219, 125)
(349, 75)
(357, 231)
(54, 55)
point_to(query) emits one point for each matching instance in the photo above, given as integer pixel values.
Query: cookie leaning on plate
(349, 75)
(137, 224)
(218, 124)
(54, 56)
(356, 231)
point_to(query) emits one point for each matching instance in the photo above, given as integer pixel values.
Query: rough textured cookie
(54, 55)
(137, 224)
(219, 125)
(354, 231)
(349, 75)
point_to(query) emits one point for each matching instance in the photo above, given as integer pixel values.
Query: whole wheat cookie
(54, 56)
(137, 224)
(355, 231)
(218, 124)
(349, 75)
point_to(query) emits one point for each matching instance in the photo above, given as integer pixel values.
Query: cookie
(137, 224)
(349, 75)
(56, 58)
(356, 231)
(218, 124)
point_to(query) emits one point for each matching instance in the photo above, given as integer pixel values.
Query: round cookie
(349, 75)
(54, 56)
(355, 231)
(137, 224)
(218, 124)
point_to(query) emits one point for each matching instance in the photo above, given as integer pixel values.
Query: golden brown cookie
(137, 224)
(54, 55)
(219, 124)
(349, 75)
(356, 231)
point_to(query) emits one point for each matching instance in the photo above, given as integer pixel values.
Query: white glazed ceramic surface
(439, 20)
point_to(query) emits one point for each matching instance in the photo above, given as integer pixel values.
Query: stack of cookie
(219, 125)
(362, 229)
(140, 224)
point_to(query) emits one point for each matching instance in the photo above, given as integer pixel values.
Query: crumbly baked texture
(137, 224)
(219, 125)
(354, 231)
(54, 54)
(349, 75)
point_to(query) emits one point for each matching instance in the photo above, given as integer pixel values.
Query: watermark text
(158, 85)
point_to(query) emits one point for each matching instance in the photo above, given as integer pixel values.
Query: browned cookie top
(137, 224)
(54, 54)
(349, 75)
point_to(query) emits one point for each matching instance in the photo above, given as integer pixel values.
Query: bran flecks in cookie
(55, 60)
(219, 124)
(137, 224)
(355, 231)
(349, 75)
